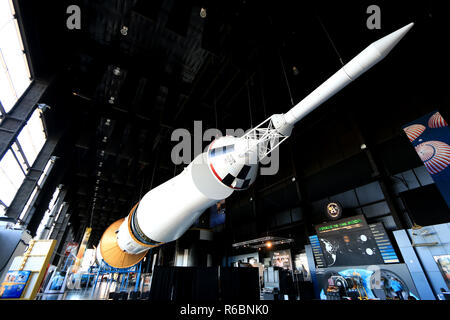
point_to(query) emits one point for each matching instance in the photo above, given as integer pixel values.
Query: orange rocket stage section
(112, 253)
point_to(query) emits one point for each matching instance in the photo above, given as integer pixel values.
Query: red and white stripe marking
(437, 121)
(414, 131)
(435, 155)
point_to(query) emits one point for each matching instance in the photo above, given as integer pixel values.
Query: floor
(100, 292)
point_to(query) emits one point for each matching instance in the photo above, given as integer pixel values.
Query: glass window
(346, 199)
(32, 137)
(369, 193)
(319, 206)
(411, 179)
(388, 222)
(423, 175)
(283, 218)
(47, 213)
(28, 204)
(297, 214)
(14, 70)
(16, 162)
(31, 199)
(376, 209)
(399, 183)
(11, 177)
(46, 170)
(20, 156)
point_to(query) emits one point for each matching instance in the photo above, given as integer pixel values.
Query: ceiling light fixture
(203, 13)
(116, 71)
(124, 30)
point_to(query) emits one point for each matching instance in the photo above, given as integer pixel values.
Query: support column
(16, 119)
(51, 220)
(379, 173)
(60, 229)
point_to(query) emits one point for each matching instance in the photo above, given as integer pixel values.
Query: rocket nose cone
(387, 43)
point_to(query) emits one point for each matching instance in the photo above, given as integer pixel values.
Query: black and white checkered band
(241, 181)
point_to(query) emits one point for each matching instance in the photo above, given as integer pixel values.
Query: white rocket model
(229, 164)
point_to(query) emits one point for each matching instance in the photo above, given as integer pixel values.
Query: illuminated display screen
(346, 242)
(343, 225)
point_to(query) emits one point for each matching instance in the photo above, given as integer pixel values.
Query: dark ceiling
(228, 70)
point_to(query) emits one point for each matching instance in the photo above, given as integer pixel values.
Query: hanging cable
(154, 169)
(284, 70)
(92, 215)
(286, 78)
(140, 194)
(331, 41)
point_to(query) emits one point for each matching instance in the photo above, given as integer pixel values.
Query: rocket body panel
(365, 60)
(327, 89)
(233, 161)
(126, 241)
(167, 211)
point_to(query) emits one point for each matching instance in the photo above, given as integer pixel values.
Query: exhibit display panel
(375, 282)
(351, 241)
(426, 252)
(27, 272)
(282, 259)
(430, 137)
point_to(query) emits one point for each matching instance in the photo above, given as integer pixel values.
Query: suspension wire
(142, 187)
(282, 66)
(285, 77)
(92, 215)
(140, 193)
(154, 169)
(331, 41)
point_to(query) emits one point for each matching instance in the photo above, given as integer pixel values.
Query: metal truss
(266, 137)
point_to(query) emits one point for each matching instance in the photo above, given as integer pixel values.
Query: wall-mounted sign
(344, 224)
(430, 137)
(333, 210)
(27, 272)
(14, 284)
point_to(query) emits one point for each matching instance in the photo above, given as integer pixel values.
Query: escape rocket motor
(230, 163)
